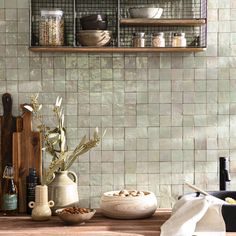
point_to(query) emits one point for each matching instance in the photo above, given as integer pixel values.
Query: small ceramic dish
(75, 217)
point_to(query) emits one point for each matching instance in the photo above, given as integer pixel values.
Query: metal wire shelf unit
(189, 16)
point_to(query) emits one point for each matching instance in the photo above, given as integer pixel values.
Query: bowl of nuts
(75, 215)
(128, 204)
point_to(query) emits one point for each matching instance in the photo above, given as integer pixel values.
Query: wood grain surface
(27, 146)
(97, 226)
(162, 22)
(115, 49)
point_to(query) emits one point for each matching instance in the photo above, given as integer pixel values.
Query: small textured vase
(41, 207)
(63, 190)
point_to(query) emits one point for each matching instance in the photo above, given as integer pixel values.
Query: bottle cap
(8, 171)
(139, 34)
(51, 12)
(32, 171)
(32, 177)
(180, 34)
(161, 34)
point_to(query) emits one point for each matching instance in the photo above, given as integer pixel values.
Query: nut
(75, 210)
(126, 193)
(140, 193)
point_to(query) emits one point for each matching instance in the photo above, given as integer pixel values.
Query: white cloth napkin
(200, 216)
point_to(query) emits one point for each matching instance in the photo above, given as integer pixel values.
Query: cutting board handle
(7, 104)
(27, 119)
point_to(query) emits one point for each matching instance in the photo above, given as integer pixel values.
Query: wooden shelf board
(162, 22)
(114, 49)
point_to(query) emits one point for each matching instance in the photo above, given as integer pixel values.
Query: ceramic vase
(63, 190)
(41, 207)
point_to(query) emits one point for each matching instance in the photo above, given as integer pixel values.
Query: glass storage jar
(139, 39)
(51, 29)
(158, 39)
(179, 40)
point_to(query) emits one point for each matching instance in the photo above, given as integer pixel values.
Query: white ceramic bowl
(128, 207)
(95, 38)
(145, 12)
(75, 218)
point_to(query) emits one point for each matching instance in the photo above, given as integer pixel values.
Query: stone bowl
(130, 207)
(77, 218)
(94, 38)
(145, 12)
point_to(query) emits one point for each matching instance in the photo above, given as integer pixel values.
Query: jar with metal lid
(158, 39)
(139, 39)
(179, 40)
(51, 29)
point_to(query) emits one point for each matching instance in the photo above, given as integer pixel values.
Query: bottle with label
(9, 198)
(31, 183)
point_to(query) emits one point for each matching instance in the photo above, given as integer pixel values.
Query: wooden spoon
(197, 189)
(203, 192)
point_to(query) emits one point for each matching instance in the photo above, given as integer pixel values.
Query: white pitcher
(63, 190)
(41, 207)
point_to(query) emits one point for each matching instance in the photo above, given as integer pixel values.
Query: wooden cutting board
(27, 153)
(7, 127)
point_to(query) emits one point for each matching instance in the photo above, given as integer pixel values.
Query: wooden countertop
(97, 226)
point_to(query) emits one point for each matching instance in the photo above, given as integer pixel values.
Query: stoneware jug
(41, 207)
(63, 190)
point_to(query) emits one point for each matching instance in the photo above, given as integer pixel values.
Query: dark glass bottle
(9, 198)
(31, 182)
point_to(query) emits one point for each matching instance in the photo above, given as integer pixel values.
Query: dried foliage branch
(55, 140)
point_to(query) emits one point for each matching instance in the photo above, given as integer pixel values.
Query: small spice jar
(158, 39)
(51, 29)
(179, 40)
(139, 39)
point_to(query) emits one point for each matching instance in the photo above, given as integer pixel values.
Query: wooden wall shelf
(114, 49)
(162, 22)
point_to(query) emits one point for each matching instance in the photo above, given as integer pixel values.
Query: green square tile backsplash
(169, 116)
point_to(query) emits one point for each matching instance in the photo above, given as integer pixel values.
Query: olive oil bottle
(9, 198)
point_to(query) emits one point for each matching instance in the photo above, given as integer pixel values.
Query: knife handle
(7, 104)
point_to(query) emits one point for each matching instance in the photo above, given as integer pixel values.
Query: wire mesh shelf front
(172, 10)
(119, 9)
